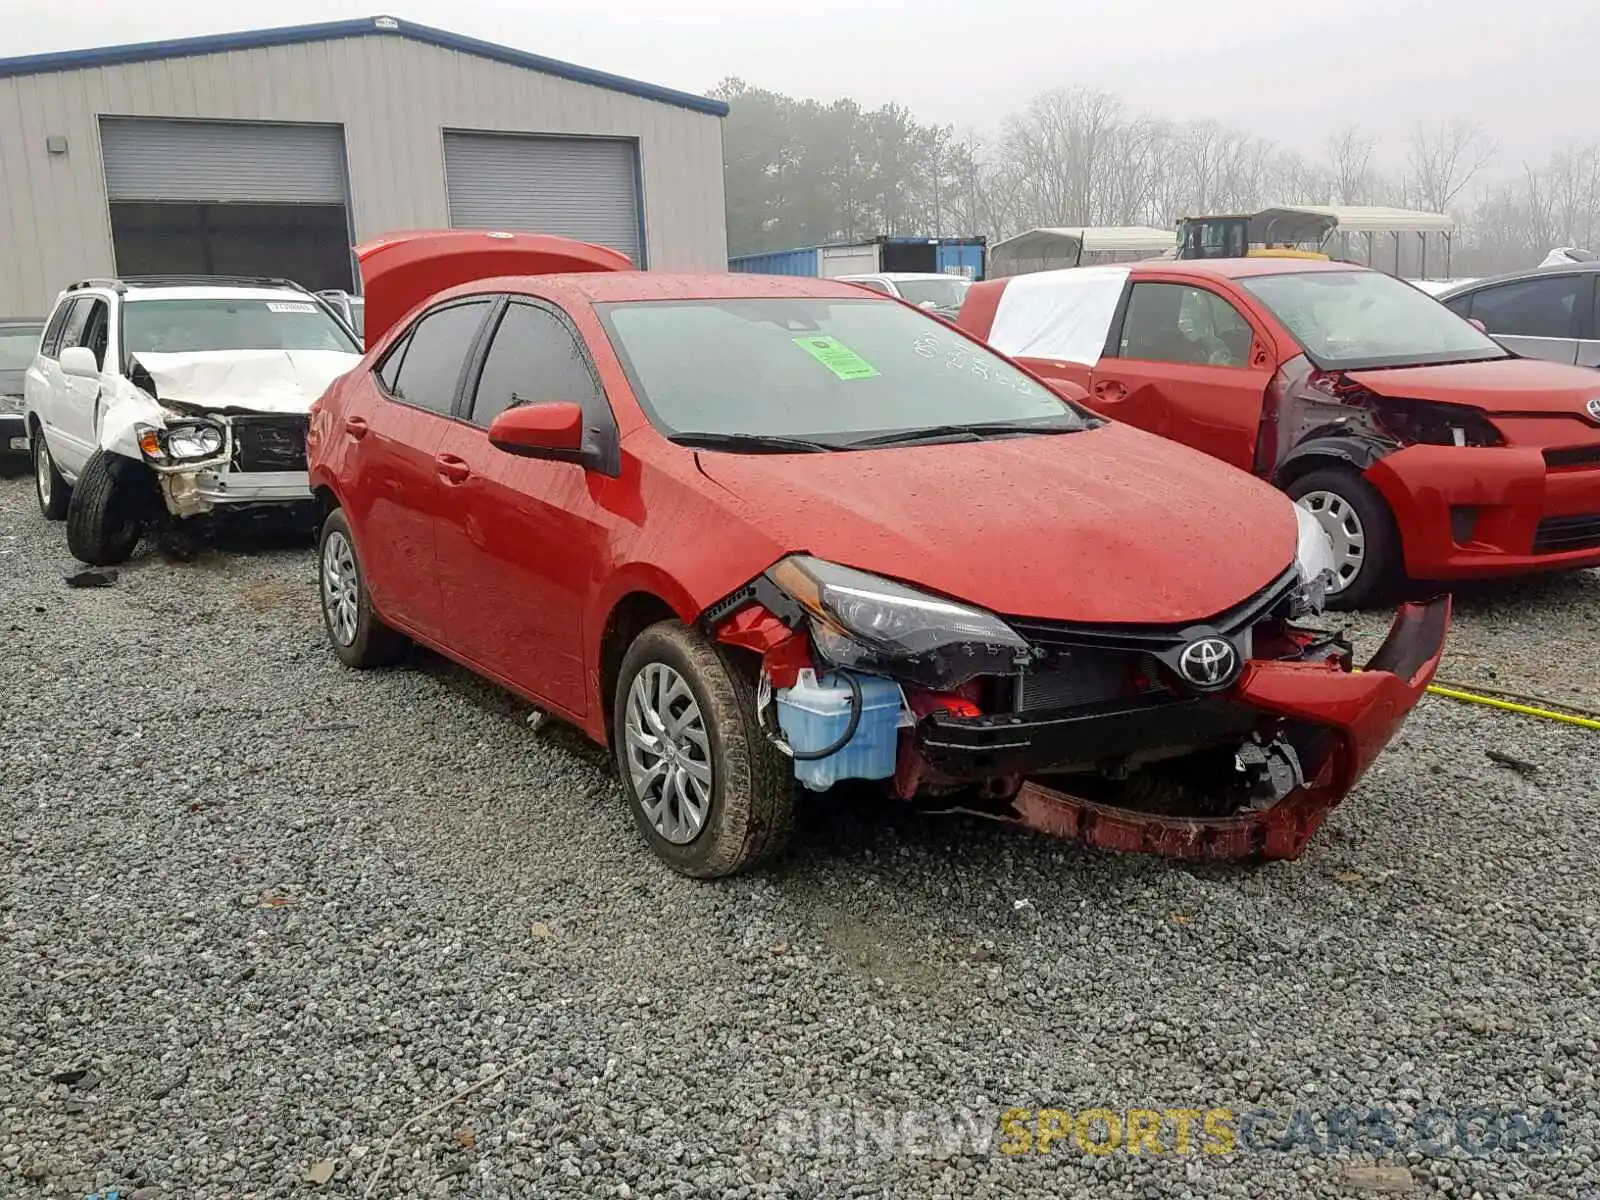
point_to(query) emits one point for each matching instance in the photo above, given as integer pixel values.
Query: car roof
(611, 287)
(1242, 268)
(1581, 268)
(135, 293)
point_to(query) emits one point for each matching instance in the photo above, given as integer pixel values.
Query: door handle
(1110, 389)
(451, 468)
(356, 427)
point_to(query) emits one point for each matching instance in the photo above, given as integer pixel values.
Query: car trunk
(402, 270)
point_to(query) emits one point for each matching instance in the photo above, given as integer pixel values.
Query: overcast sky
(1285, 70)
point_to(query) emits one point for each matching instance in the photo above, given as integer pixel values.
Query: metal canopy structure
(1051, 249)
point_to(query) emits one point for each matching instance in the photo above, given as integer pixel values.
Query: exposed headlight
(188, 441)
(10, 403)
(867, 622)
(1313, 557)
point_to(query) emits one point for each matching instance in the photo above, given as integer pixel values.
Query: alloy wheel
(43, 468)
(341, 587)
(668, 753)
(1342, 523)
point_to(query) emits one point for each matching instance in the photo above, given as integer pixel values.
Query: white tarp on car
(1061, 315)
(265, 381)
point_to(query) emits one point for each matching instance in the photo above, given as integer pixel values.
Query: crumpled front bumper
(1361, 710)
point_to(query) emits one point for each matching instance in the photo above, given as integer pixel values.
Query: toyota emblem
(1594, 408)
(1209, 662)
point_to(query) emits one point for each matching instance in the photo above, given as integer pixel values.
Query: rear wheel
(108, 510)
(709, 792)
(358, 635)
(52, 491)
(1357, 520)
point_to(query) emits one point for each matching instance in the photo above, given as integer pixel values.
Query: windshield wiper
(759, 443)
(981, 431)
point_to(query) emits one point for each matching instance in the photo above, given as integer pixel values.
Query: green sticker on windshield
(837, 357)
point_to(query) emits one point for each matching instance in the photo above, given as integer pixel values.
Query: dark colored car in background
(1547, 312)
(19, 342)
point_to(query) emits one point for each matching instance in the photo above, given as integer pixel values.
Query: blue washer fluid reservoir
(814, 713)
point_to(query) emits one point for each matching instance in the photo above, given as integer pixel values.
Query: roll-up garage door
(223, 161)
(584, 188)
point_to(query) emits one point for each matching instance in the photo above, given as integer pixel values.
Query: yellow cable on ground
(1526, 710)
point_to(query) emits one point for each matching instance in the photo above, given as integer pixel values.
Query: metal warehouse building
(272, 152)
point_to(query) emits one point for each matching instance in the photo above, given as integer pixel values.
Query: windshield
(17, 346)
(1346, 319)
(183, 326)
(828, 371)
(946, 293)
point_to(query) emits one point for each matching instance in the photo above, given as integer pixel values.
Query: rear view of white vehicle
(157, 400)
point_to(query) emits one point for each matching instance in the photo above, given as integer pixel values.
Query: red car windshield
(826, 370)
(1345, 320)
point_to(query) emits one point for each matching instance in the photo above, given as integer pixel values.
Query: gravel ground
(257, 912)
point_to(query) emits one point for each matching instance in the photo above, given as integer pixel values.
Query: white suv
(163, 398)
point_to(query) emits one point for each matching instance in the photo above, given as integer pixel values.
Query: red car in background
(749, 530)
(1422, 446)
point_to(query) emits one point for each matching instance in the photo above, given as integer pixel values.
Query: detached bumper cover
(1362, 710)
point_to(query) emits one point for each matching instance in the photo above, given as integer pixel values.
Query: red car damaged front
(793, 530)
(1210, 724)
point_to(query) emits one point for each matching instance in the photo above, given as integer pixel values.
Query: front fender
(128, 408)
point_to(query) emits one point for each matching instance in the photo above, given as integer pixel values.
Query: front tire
(107, 513)
(1366, 542)
(707, 789)
(52, 491)
(355, 631)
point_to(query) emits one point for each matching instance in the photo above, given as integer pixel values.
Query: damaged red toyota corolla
(749, 529)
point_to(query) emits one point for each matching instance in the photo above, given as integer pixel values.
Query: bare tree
(1442, 159)
(1349, 157)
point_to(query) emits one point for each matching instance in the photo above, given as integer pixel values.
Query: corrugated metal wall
(394, 98)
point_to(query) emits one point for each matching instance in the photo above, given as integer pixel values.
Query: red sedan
(754, 530)
(1423, 446)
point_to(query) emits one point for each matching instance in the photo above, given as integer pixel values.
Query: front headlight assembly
(181, 442)
(1313, 558)
(865, 622)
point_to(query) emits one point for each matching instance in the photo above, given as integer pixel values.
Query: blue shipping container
(956, 256)
(777, 262)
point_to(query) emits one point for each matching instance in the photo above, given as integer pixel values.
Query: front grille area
(1573, 456)
(1074, 677)
(270, 443)
(1557, 534)
(1089, 664)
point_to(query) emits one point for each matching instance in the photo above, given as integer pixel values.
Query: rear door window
(72, 330)
(1531, 307)
(435, 354)
(50, 344)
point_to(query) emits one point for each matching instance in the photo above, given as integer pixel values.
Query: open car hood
(401, 270)
(262, 381)
(1501, 385)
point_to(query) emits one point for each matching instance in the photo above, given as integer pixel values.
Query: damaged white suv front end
(223, 427)
(155, 401)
